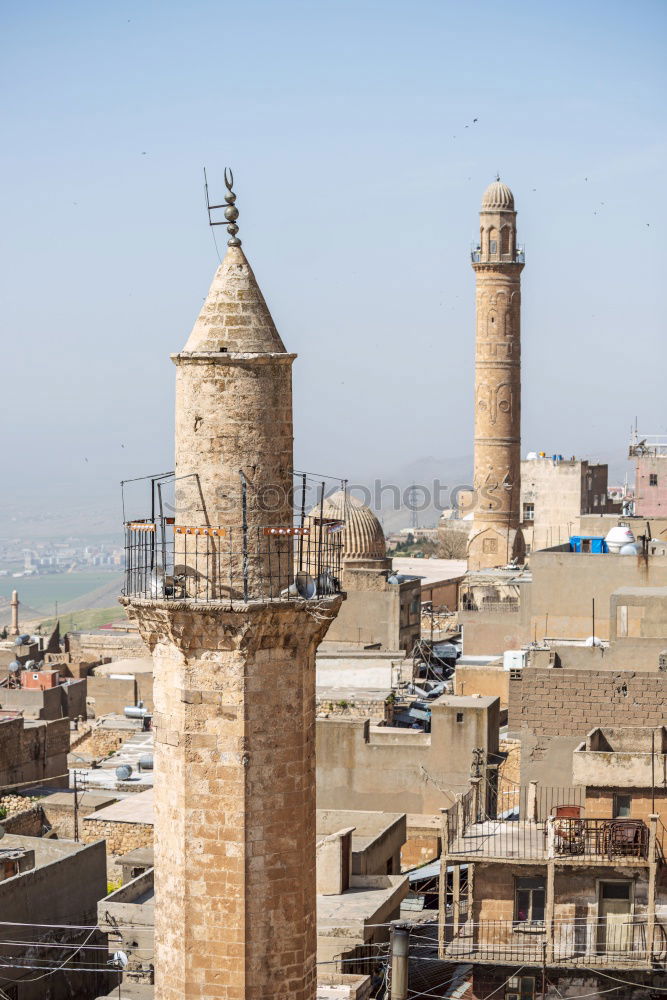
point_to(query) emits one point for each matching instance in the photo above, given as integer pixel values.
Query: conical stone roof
(235, 318)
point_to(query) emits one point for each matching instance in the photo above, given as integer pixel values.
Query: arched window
(493, 241)
(505, 239)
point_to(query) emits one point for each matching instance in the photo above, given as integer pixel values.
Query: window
(529, 900)
(529, 512)
(653, 479)
(489, 545)
(622, 804)
(459, 716)
(493, 246)
(521, 988)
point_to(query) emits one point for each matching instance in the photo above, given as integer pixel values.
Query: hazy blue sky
(359, 173)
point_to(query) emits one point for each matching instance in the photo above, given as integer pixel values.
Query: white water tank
(618, 537)
(514, 659)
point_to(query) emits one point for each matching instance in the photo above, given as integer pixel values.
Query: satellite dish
(119, 960)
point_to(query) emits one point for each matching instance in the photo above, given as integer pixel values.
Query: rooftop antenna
(231, 212)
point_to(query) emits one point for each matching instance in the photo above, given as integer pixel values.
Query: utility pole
(399, 944)
(544, 970)
(76, 799)
(76, 809)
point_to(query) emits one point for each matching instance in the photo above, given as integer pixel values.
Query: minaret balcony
(253, 555)
(518, 257)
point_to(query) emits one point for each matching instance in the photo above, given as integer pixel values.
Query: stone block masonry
(551, 710)
(234, 797)
(120, 837)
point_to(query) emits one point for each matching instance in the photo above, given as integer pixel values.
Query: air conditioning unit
(515, 659)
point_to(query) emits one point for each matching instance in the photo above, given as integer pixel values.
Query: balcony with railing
(547, 824)
(292, 556)
(623, 941)
(518, 257)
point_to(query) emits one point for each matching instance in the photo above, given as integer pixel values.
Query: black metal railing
(595, 941)
(174, 562)
(571, 837)
(535, 822)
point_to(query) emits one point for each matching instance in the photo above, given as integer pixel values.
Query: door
(615, 920)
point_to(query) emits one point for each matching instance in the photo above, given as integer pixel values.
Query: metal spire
(231, 212)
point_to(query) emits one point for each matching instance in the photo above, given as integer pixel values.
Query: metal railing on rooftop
(597, 941)
(543, 823)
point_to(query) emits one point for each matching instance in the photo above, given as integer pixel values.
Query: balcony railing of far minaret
(246, 558)
(518, 257)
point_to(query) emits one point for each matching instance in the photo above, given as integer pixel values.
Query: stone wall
(111, 643)
(423, 841)
(329, 706)
(234, 796)
(62, 889)
(551, 710)
(106, 695)
(34, 752)
(360, 766)
(28, 823)
(120, 837)
(487, 679)
(99, 742)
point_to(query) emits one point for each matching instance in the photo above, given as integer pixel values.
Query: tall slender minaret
(14, 627)
(233, 646)
(498, 262)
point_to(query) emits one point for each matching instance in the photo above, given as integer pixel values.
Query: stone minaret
(234, 674)
(14, 628)
(498, 262)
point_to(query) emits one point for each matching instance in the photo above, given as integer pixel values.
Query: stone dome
(498, 197)
(363, 537)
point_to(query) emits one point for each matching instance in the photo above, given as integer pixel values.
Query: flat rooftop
(46, 850)
(128, 665)
(136, 808)
(430, 570)
(352, 910)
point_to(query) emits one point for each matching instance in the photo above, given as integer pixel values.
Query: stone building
(650, 458)
(497, 262)
(555, 887)
(50, 889)
(381, 607)
(215, 592)
(386, 768)
(555, 493)
(566, 595)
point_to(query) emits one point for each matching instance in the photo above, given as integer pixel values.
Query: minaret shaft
(496, 537)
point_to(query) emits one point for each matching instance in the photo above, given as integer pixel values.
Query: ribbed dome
(498, 197)
(363, 537)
